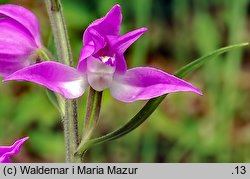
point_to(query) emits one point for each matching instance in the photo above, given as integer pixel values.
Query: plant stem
(71, 130)
(59, 30)
(136, 121)
(92, 115)
(43, 54)
(93, 108)
(64, 52)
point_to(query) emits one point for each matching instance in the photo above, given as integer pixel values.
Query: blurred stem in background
(204, 22)
(235, 18)
(143, 14)
(181, 19)
(222, 76)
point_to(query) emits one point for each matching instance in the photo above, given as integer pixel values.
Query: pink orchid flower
(102, 65)
(7, 151)
(19, 38)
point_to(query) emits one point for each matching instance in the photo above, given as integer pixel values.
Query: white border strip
(126, 170)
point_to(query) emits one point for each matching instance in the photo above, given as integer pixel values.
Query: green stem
(71, 130)
(64, 52)
(136, 121)
(44, 55)
(59, 30)
(93, 108)
(92, 115)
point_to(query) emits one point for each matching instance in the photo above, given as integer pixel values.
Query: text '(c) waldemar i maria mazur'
(78, 170)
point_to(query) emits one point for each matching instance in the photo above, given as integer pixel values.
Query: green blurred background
(186, 127)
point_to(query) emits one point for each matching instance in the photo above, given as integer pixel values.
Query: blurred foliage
(186, 127)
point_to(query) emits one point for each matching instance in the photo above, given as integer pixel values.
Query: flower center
(108, 60)
(100, 72)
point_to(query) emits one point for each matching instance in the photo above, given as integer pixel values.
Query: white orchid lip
(100, 72)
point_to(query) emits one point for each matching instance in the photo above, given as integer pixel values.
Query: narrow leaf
(184, 71)
(56, 100)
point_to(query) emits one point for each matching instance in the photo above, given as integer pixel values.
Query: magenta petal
(144, 83)
(121, 43)
(19, 38)
(7, 68)
(94, 37)
(89, 49)
(108, 25)
(8, 151)
(23, 16)
(55, 76)
(16, 47)
(121, 65)
(14, 39)
(97, 40)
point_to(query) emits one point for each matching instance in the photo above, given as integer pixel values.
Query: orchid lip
(100, 72)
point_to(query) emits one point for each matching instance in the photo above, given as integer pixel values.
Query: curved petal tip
(143, 83)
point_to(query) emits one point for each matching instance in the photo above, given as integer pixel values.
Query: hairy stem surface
(64, 52)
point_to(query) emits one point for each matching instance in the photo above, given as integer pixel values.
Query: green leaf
(184, 71)
(136, 121)
(152, 104)
(57, 101)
